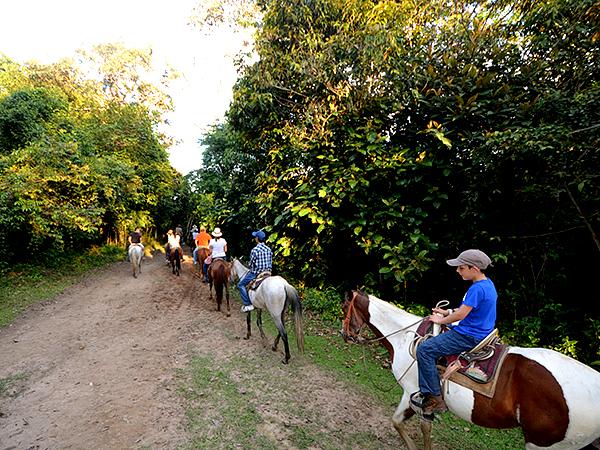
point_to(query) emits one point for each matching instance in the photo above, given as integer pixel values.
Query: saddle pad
(488, 389)
(254, 284)
(480, 371)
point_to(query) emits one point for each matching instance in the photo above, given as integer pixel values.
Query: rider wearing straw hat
(217, 245)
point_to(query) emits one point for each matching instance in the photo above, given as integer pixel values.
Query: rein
(346, 323)
(346, 328)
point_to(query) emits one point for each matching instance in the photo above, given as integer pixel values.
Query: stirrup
(416, 404)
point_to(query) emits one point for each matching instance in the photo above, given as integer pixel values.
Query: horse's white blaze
(581, 390)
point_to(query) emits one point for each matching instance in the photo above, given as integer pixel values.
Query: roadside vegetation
(375, 140)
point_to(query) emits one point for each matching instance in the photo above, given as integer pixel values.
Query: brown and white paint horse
(553, 398)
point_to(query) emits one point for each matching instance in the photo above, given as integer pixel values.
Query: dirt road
(97, 368)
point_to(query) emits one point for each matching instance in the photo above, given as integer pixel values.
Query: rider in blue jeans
(477, 316)
(261, 260)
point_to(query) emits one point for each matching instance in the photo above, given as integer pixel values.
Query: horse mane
(390, 307)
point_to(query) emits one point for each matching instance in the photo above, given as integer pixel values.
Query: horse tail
(218, 278)
(292, 297)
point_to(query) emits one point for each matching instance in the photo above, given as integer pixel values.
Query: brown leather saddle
(476, 369)
(254, 284)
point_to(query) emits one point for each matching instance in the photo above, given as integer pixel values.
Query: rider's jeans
(242, 287)
(448, 343)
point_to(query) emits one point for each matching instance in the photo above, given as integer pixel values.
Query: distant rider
(135, 238)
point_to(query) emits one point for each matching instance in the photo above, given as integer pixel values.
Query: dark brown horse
(175, 259)
(218, 274)
(551, 397)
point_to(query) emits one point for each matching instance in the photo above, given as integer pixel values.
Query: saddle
(475, 369)
(254, 284)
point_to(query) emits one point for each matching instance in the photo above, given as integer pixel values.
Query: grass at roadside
(11, 385)
(25, 285)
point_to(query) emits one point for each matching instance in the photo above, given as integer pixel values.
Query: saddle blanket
(254, 284)
(462, 377)
(479, 375)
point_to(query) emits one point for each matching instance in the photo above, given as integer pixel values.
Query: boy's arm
(456, 315)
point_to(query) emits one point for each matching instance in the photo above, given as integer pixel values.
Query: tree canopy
(375, 139)
(81, 158)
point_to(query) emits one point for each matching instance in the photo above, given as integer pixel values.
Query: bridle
(346, 331)
(349, 333)
(346, 324)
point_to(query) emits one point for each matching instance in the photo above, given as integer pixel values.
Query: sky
(49, 30)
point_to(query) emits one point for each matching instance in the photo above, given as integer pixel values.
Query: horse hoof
(285, 361)
(228, 314)
(246, 338)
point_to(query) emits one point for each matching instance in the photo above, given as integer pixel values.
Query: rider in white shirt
(218, 245)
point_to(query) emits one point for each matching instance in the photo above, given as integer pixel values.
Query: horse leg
(219, 293)
(276, 343)
(426, 426)
(260, 324)
(404, 412)
(248, 325)
(284, 338)
(227, 298)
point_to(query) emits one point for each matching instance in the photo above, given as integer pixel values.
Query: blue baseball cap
(260, 234)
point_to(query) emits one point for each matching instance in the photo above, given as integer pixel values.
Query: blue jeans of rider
(242, 287)
(448, 343)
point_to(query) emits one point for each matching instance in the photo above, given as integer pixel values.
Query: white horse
(135, 256)
(553, 398)
(273, 294)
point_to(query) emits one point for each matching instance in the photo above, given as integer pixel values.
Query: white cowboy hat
(217, 232)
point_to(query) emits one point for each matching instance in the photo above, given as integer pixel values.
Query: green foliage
(377, 139)
(24, 115)
(325, 303)
(80, 159)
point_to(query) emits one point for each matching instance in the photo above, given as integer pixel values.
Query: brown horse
(175, 259)
(551, 397)
(218, 274)
(202, 254)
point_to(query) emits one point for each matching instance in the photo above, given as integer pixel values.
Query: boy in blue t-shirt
(477, 316)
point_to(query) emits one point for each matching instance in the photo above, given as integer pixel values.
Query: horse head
(355, 309)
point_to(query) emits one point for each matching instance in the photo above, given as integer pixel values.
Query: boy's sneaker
(247, 308)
